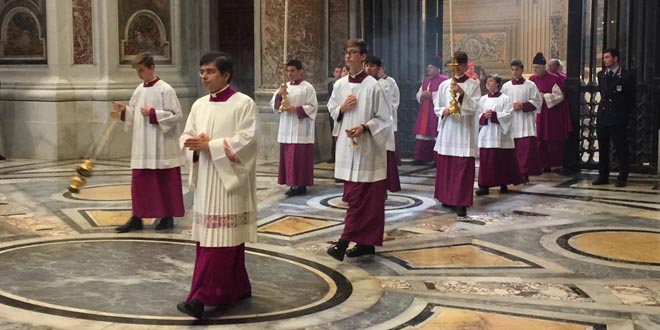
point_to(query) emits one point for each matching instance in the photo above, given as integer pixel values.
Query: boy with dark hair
(222, 133)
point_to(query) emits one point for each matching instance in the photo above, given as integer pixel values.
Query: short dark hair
(517, 62)
(361, 44)
(497, 79)
(375, 60)
(222, 61)
(145, 59)
(613, 51)
(295, 62)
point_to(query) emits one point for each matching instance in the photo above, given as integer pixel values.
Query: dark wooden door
(236, 36)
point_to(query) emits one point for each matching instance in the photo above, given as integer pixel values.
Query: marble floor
(554, 254)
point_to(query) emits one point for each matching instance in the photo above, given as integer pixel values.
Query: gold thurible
(86, 169)
(454, 107)
(77, 182)
(284, 106)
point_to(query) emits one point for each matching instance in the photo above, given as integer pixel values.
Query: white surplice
(366, 162)
(524, 123)
(293, 129)
(456, 133)
(155, 146)
(391, 96)
(496, 135)
(225, 206)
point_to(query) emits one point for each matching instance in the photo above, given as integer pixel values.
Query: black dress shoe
(291, 191)
(338, 180)
(194, 308)
(134, 223)
(338, 250)
(360, 250)
(620, 183)
(461, 211)
(2, 157)
(525, 178)
(600, 181)
(482, 191)
(165, 223)
(504, 189)
(547, 170)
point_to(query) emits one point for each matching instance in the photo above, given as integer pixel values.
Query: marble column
(308, 42)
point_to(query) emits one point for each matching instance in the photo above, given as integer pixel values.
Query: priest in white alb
(359, 107)
(296, 131)
(154, 115)
(220, 139)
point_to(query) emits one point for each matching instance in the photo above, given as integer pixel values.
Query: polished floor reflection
(554, 254)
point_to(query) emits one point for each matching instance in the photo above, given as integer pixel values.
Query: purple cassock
(296, 164)
(392, 181)
(458, 174)
(220, 277)
(426, 123)
(552, 125)
(365, 218)
(527, 153)
(498, 167)
(157, 193)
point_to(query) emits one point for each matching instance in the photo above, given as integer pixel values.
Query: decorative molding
(492, 50)
(145, 26)
(23, 33)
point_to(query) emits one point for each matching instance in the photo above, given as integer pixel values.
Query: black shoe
(134, 223)
(2, 157)
(338, 180)
(291, 191)
(331, 161)
(461, 211)
(482, 191)
(525, 178)
(360, 250)
(338, 250)
(620, 183)
(547, 170)
(295, 191)
(600, 181)
(504, 189)
(165, 223)
(417, 162)
(193, 308)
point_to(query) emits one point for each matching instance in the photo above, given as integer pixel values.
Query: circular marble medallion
(395, 202)
(624, 246)
(140, 280)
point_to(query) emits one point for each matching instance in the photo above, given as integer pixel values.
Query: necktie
(610, 73)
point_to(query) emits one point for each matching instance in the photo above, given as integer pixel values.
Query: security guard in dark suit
(617, 102)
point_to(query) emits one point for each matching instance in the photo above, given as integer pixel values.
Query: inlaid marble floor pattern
(554, 254)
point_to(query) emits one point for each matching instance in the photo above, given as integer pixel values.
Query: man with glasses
(361, 111)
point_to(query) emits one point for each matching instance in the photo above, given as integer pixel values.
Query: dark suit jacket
(617, 98)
